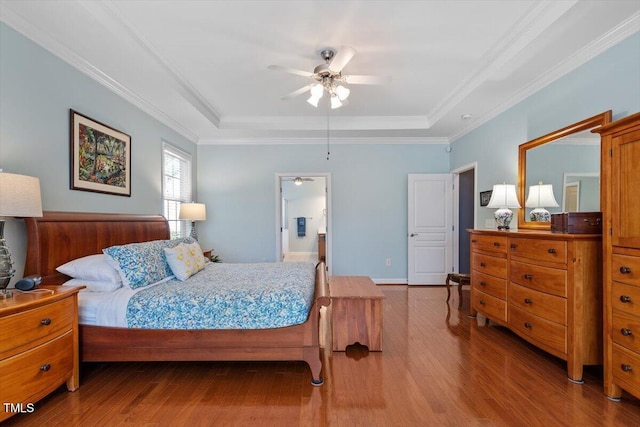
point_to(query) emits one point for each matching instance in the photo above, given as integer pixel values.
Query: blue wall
(369, 200)
(37, 89)
(610, 81)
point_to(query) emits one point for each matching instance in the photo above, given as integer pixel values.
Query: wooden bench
(356, 312)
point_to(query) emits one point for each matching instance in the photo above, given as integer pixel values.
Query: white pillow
(91, 267)
(185, 260)
(94, 285)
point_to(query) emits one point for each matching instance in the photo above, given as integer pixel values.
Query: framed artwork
(100, 157)
(485, 196)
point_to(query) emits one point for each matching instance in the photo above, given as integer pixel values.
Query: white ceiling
(201, 66)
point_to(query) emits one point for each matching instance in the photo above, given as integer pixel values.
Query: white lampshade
(193, 211)
(541, 196)
(503, 196)
(342, 92)
(313, 100)
(19, 196)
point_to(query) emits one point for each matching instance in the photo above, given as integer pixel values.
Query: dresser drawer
(550, 307)
(625, 365)
(490, 285)
(33, 374)
(530, 326)
(492, 307)
(30, 325)
(487, 264)
(539, 249)
(626, 330)
(625, 269)
(486, 243)
(544, 279)
(625, 298)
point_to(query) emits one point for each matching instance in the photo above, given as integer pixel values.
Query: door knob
(413, 234)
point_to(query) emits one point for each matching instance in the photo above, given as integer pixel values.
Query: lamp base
(503, 218)
(194, 232)
(540, 215)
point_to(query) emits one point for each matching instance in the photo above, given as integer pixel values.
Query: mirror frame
(590, 123)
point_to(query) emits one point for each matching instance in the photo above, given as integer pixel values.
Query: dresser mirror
(569, 160)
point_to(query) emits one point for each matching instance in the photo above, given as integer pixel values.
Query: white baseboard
(390, 281)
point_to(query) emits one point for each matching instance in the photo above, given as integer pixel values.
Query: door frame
(456, 207)
(278, 196)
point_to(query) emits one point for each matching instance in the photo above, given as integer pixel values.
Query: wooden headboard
(59, 237)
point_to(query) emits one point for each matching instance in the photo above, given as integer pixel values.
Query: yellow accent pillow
(185, 260)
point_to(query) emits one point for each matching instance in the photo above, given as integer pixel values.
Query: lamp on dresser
(503, 197)
(193, 212)
(19, 197)
(541, 197)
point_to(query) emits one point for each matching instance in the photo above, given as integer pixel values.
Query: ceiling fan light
(342, 92)
(335, 102)
(313, 101)
(297, 181)
(317, 90)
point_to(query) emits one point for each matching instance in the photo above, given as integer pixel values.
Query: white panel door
(430, 234)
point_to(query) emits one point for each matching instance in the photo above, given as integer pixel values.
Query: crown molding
(322, 122)
(323, 140)
(56, 48)
(623, 31)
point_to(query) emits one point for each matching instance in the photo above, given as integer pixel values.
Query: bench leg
(459, 295)
(448, 285)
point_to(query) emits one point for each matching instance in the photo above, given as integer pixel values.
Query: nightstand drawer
(625, 366)
(530, 326)
(492, 307)
(625, 269)
(31, 325)
(625, 298)
(550, 307)
(544, 279)
(626, 330)
(33, 374)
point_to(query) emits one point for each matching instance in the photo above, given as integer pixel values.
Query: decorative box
(577, 222)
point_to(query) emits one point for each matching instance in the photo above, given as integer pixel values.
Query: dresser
(546, 287)
(38, 346)
(621, 233)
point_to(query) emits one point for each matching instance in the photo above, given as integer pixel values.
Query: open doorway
(303, 217)
(464, 215)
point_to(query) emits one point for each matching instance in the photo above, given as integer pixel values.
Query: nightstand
(38, 346)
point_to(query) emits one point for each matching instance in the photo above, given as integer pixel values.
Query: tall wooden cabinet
(546, 287)
(621, 231)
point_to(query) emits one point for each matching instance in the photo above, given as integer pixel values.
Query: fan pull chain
(328, 146)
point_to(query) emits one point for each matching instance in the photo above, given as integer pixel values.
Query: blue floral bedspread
(228, 296)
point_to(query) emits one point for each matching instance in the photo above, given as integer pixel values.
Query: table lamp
(541, 197)
(503, 197)
(193, 212)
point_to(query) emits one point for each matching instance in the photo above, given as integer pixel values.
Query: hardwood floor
(437, 368)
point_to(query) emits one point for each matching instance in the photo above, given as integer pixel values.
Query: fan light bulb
(317, 90)
(335, 102)
(342, 92)
(298, 181)
(313, 101)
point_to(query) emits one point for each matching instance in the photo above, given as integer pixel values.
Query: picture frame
(100, 157)
(485, 196)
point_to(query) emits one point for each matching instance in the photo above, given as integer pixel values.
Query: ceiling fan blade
(290, 70)
(341, 59)
(366, 80)
(297, 92)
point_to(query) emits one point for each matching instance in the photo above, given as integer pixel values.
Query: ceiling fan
(328, 78)
(298, 180)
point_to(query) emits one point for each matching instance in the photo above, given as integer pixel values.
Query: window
(176, 183)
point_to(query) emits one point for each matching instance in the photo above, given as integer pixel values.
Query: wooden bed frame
(59, 237)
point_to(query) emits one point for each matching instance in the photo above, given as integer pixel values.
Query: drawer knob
(527, 301)
(625, 270)
(626, 332)
(528, 276)
(482, 264)
(626, 368)
(46, 321)
(483, 283)
(513, 246)
(45, 367)
(482, 302)
(551, 251)
(527, 325)
(496, 244)
(625, 298)
(473, 240)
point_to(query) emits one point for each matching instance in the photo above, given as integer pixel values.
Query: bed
(59, 237)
